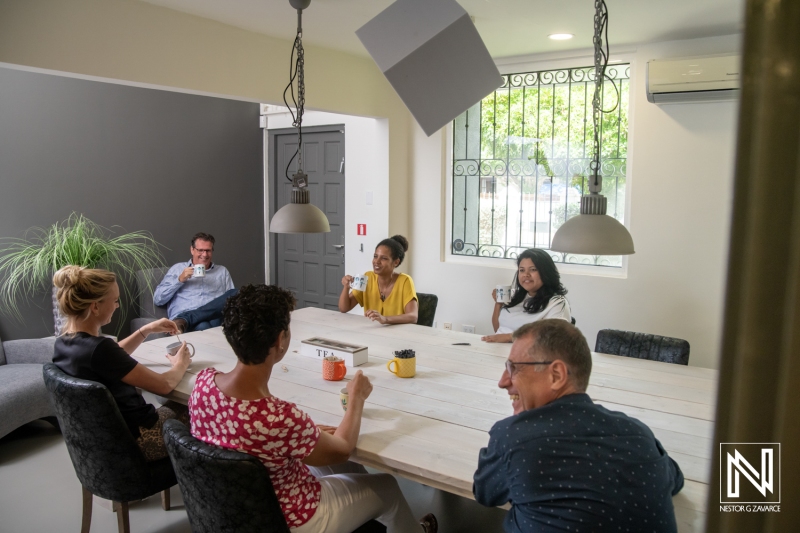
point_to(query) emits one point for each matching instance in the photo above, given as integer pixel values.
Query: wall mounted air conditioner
(693, 79)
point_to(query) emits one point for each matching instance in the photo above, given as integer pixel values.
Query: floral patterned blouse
(276, 432)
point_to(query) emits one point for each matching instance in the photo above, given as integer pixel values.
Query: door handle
(341, 166)
(338, 246)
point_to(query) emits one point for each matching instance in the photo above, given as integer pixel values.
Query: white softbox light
(431, 53)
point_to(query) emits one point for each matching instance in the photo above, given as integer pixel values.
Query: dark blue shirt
(572, 465)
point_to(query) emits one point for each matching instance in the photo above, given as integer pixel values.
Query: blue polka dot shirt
(575, 466)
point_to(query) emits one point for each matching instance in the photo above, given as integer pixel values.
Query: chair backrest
(223, 490)
(106, 458)
(643, 346)
(427, 308)
(147, 281)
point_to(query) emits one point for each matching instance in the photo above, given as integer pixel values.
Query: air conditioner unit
(693, 79)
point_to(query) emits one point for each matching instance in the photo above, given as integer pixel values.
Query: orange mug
(333, 369)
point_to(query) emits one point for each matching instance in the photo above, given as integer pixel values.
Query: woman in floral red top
(237, 411)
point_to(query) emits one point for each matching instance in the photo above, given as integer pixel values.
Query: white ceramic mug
(502, 294)
(175, 346)
(199, 271)
(359, 283)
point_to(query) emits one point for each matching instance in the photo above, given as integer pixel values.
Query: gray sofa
(23, 396)
(148, 310)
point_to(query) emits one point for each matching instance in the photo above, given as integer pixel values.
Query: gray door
(310, 265)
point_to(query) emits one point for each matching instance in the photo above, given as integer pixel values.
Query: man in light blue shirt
(195, 302)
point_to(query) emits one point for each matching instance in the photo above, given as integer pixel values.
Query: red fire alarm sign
(362, 229)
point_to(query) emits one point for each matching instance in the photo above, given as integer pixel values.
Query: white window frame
(558, 61)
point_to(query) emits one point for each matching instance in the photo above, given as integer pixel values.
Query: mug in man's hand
(199, 271)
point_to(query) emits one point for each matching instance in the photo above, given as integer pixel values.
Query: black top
(102, 360)
(572, 465)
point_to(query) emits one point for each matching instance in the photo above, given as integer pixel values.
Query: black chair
(105, 455)
(226, 491)
(643, 346)
(427, 309)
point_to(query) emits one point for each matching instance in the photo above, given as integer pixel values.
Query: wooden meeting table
(430, 428)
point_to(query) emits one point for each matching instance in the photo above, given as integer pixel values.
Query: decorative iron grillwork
(521, 161)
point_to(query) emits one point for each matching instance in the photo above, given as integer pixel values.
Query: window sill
(569, 269)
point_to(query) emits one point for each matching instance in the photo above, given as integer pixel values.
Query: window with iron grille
(521, 161)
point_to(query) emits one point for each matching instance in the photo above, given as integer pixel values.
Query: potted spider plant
(27, 265)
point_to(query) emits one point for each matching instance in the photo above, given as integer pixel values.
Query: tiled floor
(40, 493)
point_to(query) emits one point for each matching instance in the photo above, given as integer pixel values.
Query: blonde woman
(89, 297)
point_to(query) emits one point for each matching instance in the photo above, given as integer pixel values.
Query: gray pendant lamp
(593, 232)
(298, 216)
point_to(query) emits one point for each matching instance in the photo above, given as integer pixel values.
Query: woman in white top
(538, 294)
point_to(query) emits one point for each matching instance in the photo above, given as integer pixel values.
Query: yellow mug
(404, 368)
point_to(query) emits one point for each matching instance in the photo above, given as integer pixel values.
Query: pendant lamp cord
(296, 72)
(601, 53)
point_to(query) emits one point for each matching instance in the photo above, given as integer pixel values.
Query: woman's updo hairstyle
(397, 245)
(79, 287)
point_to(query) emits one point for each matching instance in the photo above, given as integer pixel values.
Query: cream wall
(139, 42)
(680, 168)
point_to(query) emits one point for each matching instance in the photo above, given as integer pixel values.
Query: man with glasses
(195, 302)
(563, 462)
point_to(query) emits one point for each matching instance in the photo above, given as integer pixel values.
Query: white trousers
(350, 497)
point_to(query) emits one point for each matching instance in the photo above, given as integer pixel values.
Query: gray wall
(169, 163)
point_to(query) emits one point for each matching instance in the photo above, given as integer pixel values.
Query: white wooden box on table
(320, 348)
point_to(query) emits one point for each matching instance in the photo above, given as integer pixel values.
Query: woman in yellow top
(390, 297)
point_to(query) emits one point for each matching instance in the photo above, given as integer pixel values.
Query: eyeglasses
(199, 251)
(511, 365)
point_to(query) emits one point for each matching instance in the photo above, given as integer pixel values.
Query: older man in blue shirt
(563, 462)
(195, 302)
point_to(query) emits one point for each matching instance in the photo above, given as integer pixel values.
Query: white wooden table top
(430, 428)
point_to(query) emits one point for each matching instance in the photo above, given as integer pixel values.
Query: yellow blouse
(402, 293)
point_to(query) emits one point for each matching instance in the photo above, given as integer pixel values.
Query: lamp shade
(593, 235)
(299, 218)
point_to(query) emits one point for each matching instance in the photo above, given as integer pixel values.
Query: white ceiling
(508, 27)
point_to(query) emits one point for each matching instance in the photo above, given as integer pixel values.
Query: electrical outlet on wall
(448, 325)
(467, 329)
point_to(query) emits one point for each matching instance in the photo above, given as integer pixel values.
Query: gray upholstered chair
(642, 346)
(105, 455)
(226, 491)
(23, 396)
(427, 308)
(146, 282)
